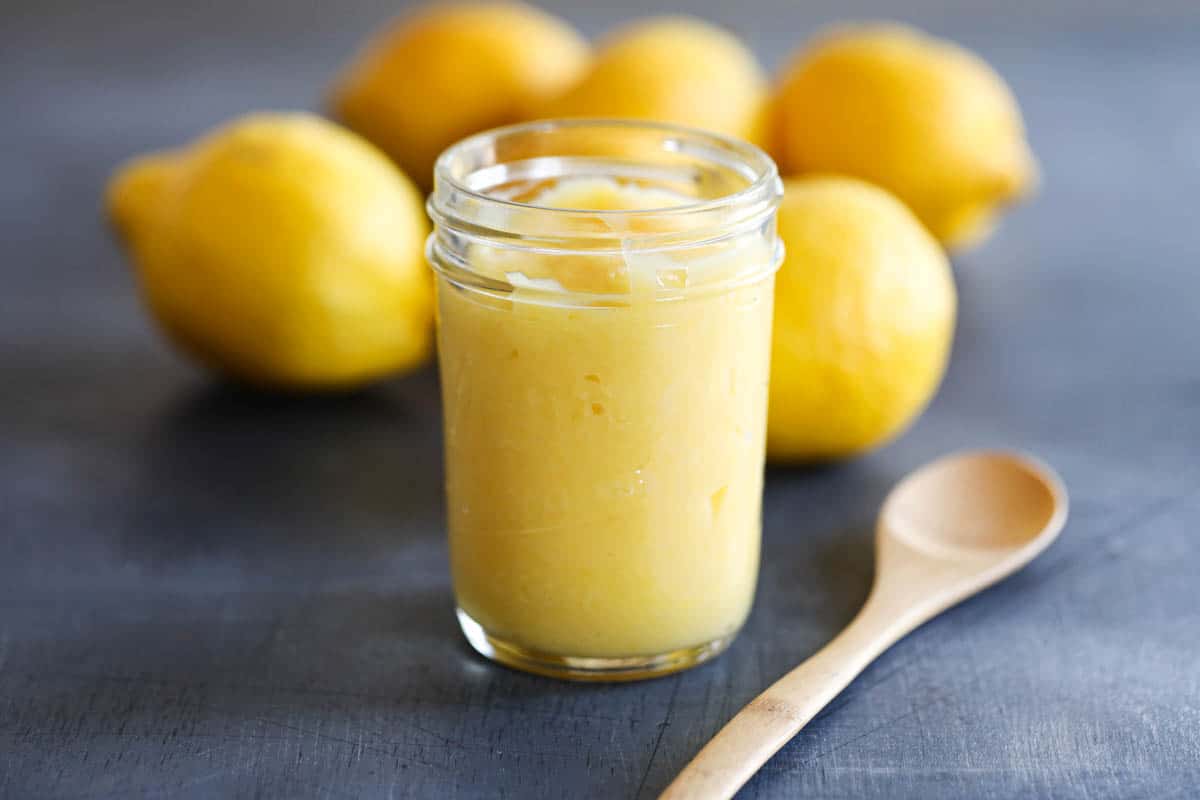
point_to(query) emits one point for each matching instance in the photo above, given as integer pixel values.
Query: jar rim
(755, 160)
(476, 182)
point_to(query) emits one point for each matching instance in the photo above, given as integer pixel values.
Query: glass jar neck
(696, 210)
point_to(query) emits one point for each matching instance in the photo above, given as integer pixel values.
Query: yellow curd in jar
(604, 456)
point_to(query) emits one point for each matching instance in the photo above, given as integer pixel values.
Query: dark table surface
(204, 593)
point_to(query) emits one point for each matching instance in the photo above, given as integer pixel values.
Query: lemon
(864, 318)
(673, 69)
(919, 116)
(451, 70)
(281, 250)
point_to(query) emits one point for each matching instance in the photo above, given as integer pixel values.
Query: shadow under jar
(604, 323)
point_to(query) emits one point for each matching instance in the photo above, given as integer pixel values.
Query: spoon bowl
(990, 501)
(946, 532)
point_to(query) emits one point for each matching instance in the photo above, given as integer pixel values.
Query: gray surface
(207, 594)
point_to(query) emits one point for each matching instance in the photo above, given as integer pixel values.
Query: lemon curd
(604, 338)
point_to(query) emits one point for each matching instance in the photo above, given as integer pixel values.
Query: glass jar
(604, 323)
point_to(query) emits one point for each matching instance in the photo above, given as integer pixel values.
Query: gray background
(204, 593)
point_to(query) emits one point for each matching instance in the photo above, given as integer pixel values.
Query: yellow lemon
(864, 319)
(282, 250)
(673, 69)
(922, 117)
(448, 71)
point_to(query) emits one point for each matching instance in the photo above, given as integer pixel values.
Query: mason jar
(604, 325)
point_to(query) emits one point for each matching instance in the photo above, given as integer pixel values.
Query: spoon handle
(749, 739)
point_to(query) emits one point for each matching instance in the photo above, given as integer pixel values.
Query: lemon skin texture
(281, 250)
(864, 320)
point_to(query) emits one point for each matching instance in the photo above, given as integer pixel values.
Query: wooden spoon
(945, 532)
